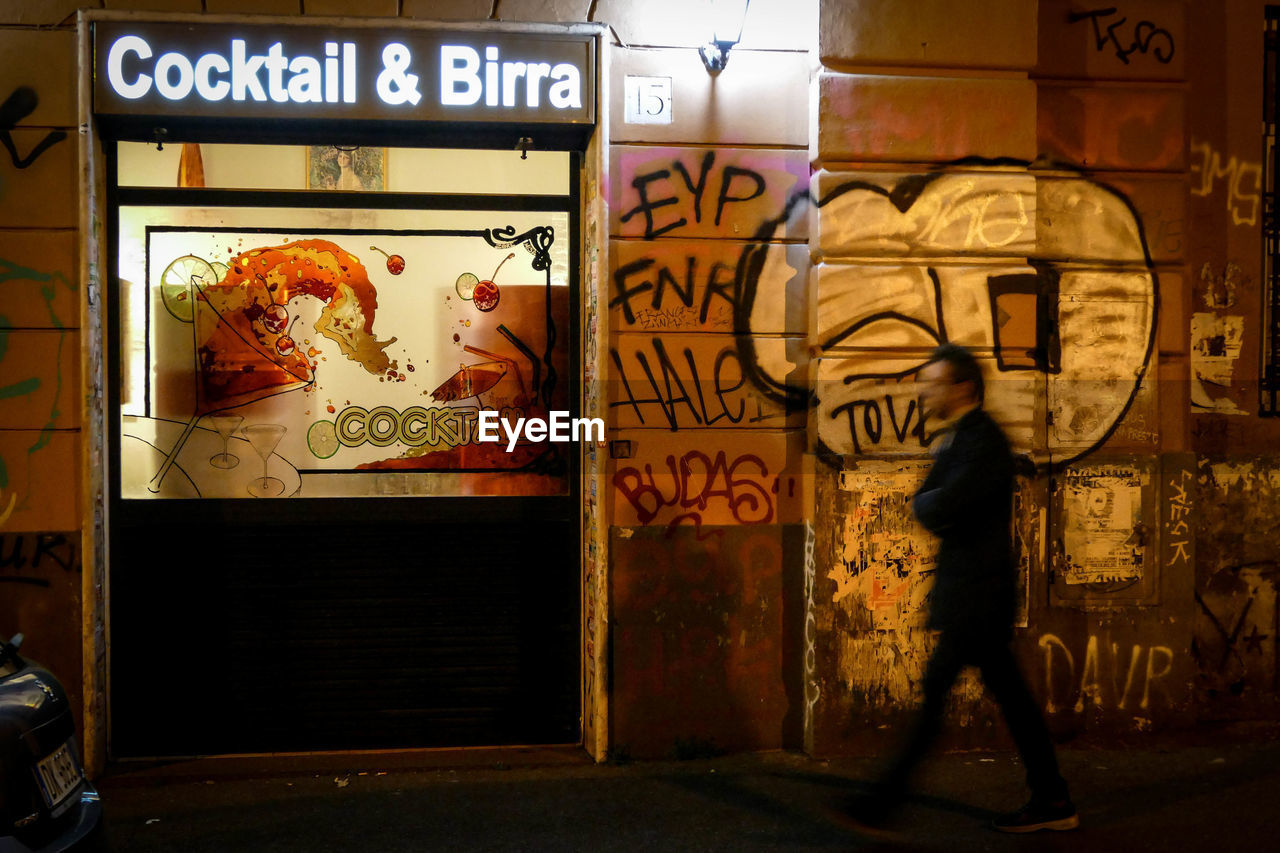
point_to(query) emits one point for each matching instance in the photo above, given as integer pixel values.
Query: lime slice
(220, 269)
(178, 285)
(467, 284)
(322, 438)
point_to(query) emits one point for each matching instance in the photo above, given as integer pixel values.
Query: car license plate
(59, 776)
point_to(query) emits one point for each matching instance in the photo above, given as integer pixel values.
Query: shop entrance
(311, 545)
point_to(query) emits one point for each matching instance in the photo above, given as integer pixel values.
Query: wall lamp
(727, 17)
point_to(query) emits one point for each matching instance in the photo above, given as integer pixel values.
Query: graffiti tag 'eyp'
(735, 186)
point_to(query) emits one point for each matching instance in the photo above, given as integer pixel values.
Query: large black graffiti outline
(1045, 357)
(21, 103)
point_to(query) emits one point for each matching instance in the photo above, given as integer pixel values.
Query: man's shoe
(1032, 817)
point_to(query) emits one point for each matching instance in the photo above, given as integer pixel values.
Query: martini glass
(233, 368)
(225, 425)
(264, 438)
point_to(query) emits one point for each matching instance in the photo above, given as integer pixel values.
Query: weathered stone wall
(1043, 181)
(1237, 550)
(706, 484)
(1001, 178)
(40, 403)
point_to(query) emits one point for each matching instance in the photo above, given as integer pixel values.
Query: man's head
(951, 382)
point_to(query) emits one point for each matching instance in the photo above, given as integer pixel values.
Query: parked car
(46, 804)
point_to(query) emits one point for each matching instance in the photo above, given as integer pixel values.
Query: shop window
(275, 345)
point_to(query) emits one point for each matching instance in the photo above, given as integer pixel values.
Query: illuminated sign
(317, 73)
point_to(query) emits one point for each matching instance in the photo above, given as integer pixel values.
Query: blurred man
(967, 502)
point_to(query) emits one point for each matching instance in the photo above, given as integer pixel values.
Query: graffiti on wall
(715, 193)
(666, 294)
(32, 559)
(21, 103)
(26, 388)
(666, 371)
(655, 297)
(693, 483)
(679, 382)
(1063, 298)
(1108, 674)
(812, 689)
(1234, 638)
(1179, 528)
(1238, 180)
(681, 285)
(1112, 31)
(1234, 633)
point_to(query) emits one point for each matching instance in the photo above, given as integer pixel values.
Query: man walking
(966, 501)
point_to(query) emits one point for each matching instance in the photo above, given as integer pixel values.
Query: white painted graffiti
(1241, 181)
(812, 690)
(1106, 678)
(1179, 528)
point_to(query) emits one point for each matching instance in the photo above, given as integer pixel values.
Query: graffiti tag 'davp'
(1107, 677)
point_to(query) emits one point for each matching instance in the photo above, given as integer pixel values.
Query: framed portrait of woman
(349, 168)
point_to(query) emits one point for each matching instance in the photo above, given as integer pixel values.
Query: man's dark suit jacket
(967, 502)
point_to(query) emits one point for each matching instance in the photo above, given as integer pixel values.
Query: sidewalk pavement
(1216, 794)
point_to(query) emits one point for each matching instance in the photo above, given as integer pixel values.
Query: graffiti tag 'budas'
(695, 481)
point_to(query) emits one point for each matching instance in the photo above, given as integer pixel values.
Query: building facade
(739, 271)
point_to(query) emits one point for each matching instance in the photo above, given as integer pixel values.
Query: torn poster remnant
(1215, 347)
(1103, 539)
(887, 556)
